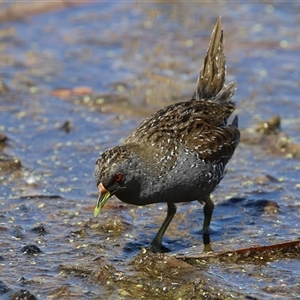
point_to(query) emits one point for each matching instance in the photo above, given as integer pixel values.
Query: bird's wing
(198, 125)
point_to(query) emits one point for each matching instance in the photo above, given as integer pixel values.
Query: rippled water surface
(78, 80)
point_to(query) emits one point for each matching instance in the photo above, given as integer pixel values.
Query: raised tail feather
(211, 80)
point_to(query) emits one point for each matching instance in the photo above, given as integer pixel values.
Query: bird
(179, 153)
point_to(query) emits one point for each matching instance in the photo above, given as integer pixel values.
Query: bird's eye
(118, 177)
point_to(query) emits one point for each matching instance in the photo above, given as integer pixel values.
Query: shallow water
(137, 58)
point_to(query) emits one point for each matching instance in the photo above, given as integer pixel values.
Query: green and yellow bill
(104, 195)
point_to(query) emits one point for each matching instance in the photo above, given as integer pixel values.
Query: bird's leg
(206, 243)
(155, 245)
(208, 211)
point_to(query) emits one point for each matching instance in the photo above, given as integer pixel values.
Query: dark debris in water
(67, 126)
(23, 295)
(40, 229)
(41, 197)
(268, 135)
(263, 205)
(3, 288)
(271, 126)
(81, 233)
(31, 250)
(8, 163)
(24, 281)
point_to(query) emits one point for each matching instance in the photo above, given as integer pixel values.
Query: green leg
(155, 245)
(208, 211)
(206, 243)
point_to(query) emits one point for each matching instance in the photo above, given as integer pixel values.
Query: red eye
(118, 177)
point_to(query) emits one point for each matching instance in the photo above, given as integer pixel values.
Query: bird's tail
(211, 80)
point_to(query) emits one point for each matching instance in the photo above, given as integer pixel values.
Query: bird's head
(113, 171)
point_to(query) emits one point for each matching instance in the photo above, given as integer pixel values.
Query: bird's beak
(104, 195)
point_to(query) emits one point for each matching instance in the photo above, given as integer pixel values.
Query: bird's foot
(157, 248)
(206, 238)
